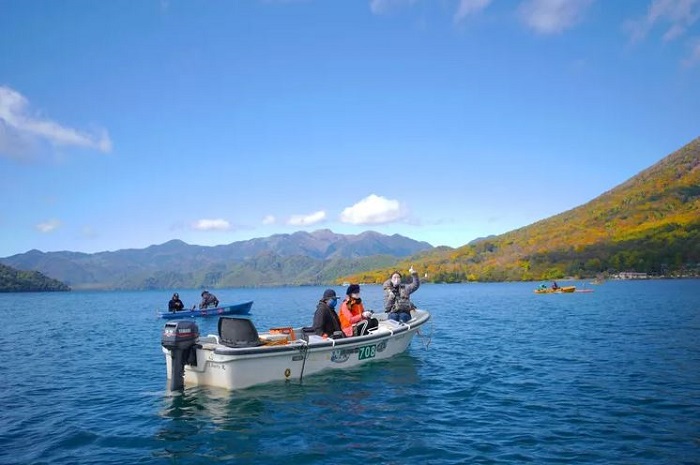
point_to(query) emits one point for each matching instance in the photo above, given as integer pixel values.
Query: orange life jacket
(350, 313)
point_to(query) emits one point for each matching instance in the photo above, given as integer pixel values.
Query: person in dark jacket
(397, 301)
(175, 303)
(326, 321)
(208, 299)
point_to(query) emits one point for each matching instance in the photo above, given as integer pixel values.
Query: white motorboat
(239, 357)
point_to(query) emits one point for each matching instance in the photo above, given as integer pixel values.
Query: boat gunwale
(299, 344)
(194, 313)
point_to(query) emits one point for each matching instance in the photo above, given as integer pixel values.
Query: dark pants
(363, 327)
(402, 317)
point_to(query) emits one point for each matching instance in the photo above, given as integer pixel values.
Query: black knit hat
(329, 294)
(353, 289)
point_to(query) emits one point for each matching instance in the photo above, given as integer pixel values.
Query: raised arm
(415, 282)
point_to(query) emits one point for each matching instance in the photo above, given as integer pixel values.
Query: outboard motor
(180, 338)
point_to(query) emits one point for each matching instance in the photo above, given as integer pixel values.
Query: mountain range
(298, 258)
(650, 223)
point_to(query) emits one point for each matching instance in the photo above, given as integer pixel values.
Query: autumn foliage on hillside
(650, 223)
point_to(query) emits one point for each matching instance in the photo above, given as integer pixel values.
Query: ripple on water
(501, 376)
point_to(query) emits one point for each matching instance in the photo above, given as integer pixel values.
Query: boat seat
(307, 331)
(238, 332)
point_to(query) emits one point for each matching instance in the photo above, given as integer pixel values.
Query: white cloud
(552, 16)
(675, 16)
(212, 225)
(694, 57)
(467, 7)
(384, 6)
(48, 226)
(269, 219)
(20, 131)
(306, 220)
(373, 209)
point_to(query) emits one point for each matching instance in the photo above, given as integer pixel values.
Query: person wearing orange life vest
(354, 320)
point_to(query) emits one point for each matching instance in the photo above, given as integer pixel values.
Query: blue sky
(125, 124)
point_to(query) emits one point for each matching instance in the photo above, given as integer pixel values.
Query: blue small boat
(242, 308)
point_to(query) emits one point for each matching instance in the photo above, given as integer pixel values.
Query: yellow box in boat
(287, 331)
(274, 339)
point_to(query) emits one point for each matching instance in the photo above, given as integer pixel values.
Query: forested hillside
(12, 280)
(650, 223)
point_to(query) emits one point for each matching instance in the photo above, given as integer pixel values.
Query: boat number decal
(366, 352)
(287, 373)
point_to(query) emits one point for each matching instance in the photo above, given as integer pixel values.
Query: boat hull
(240, 368)
(242, 308)
(561, 290)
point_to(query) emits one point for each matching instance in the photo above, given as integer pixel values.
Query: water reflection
(213, 423)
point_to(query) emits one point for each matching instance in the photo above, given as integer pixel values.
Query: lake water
(500, 376)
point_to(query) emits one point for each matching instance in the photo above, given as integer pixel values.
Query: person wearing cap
(397, 300)
(354, 320)
(175, 303)
(208, 299)
(326, 321)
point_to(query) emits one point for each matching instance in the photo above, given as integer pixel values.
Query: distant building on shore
(630, 275)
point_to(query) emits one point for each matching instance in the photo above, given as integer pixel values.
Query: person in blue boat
(326, 320)
(175, 303)
(208, 300)
(397, 300)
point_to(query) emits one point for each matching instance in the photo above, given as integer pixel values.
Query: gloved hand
(366, 315)
(411, 270)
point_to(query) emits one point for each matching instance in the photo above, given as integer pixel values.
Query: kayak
(242, 308)
(560, 290)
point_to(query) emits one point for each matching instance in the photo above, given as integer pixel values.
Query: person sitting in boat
(555, 285)
(397, 301)
(175, 303)
(208, 299)
(354, 320)
(326, 321)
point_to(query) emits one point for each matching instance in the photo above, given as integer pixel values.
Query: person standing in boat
(397, 301)
(208, 299)
(354, 320)
(175, 303)
(326, 321)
